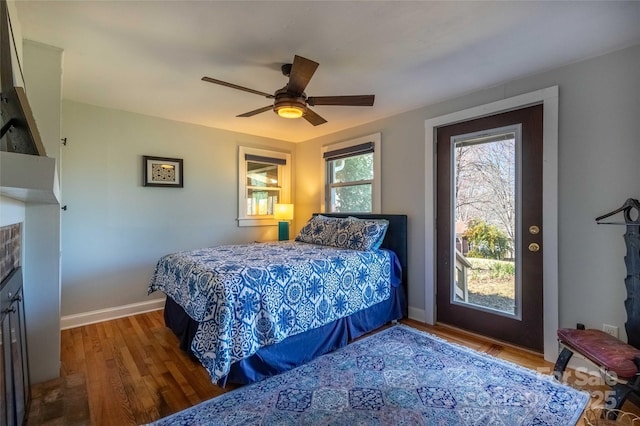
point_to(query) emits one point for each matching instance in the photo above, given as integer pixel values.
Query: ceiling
(149, 57)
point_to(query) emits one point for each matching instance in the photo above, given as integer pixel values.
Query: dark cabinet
(14, 367)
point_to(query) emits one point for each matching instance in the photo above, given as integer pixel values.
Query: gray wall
(599, 151)
(115, 229)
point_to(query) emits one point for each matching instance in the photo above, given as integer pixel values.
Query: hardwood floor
(130, 371)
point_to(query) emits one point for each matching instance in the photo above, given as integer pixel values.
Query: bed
(245, 321)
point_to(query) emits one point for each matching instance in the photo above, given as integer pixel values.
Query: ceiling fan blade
(356, 100)
(235, 86)
(255, 111)
(313, 118)
(301, 72)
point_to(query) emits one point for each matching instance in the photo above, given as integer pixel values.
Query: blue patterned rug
(399, 376)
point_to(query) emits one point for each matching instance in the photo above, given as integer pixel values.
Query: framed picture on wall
(161, 171)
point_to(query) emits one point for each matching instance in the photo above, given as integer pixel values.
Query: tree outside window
(352, 175)
(351, 181)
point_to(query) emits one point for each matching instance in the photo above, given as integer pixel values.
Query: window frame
(376, 198)
(284, 179)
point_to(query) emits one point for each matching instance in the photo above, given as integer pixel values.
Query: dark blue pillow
(359, 234)
(318, 230)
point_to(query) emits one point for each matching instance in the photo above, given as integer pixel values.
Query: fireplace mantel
(29, 178)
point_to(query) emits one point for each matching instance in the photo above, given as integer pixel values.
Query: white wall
(41, 68)
(115, 230)
(599, 152)
(11, 211)
(43, 83)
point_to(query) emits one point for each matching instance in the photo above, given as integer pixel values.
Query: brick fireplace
(10, 243)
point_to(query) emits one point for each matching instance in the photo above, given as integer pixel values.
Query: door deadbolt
(534, 230)
(534, 247)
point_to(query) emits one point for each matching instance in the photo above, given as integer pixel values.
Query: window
(352, 176)
(263, 180)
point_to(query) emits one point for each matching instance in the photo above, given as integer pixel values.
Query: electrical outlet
(610, 329)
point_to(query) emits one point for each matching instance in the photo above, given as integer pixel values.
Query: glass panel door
(489, 266)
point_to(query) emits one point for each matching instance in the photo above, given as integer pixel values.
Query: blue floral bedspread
(249, 296)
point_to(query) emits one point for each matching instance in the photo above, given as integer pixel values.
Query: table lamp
(283, 213)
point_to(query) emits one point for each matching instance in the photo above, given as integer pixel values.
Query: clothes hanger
(627, 207)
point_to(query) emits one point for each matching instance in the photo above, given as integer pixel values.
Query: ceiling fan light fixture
(291, 101)
(289, 106)
(290, 112)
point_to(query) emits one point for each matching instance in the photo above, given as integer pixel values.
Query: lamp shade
(283, 212)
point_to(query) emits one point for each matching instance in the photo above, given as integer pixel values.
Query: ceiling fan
(291, 101)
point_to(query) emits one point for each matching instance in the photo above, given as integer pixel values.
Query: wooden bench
(607, 352)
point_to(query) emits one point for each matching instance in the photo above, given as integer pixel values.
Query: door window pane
(485, 222)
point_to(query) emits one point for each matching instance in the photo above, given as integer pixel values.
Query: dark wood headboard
(395, 239)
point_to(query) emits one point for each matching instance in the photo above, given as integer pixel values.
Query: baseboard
(92, 317)
(417, 314)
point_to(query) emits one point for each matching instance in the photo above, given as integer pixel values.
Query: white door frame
(549, 98)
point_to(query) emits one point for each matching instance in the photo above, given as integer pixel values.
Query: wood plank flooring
(130, 371)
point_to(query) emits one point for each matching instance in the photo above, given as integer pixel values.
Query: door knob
(534, 247)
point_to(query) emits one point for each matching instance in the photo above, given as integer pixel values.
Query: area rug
(399, 376)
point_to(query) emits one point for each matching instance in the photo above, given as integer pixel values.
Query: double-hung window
(352, 176)
(263, 180)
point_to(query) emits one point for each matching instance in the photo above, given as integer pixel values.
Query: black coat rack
(632, 261)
